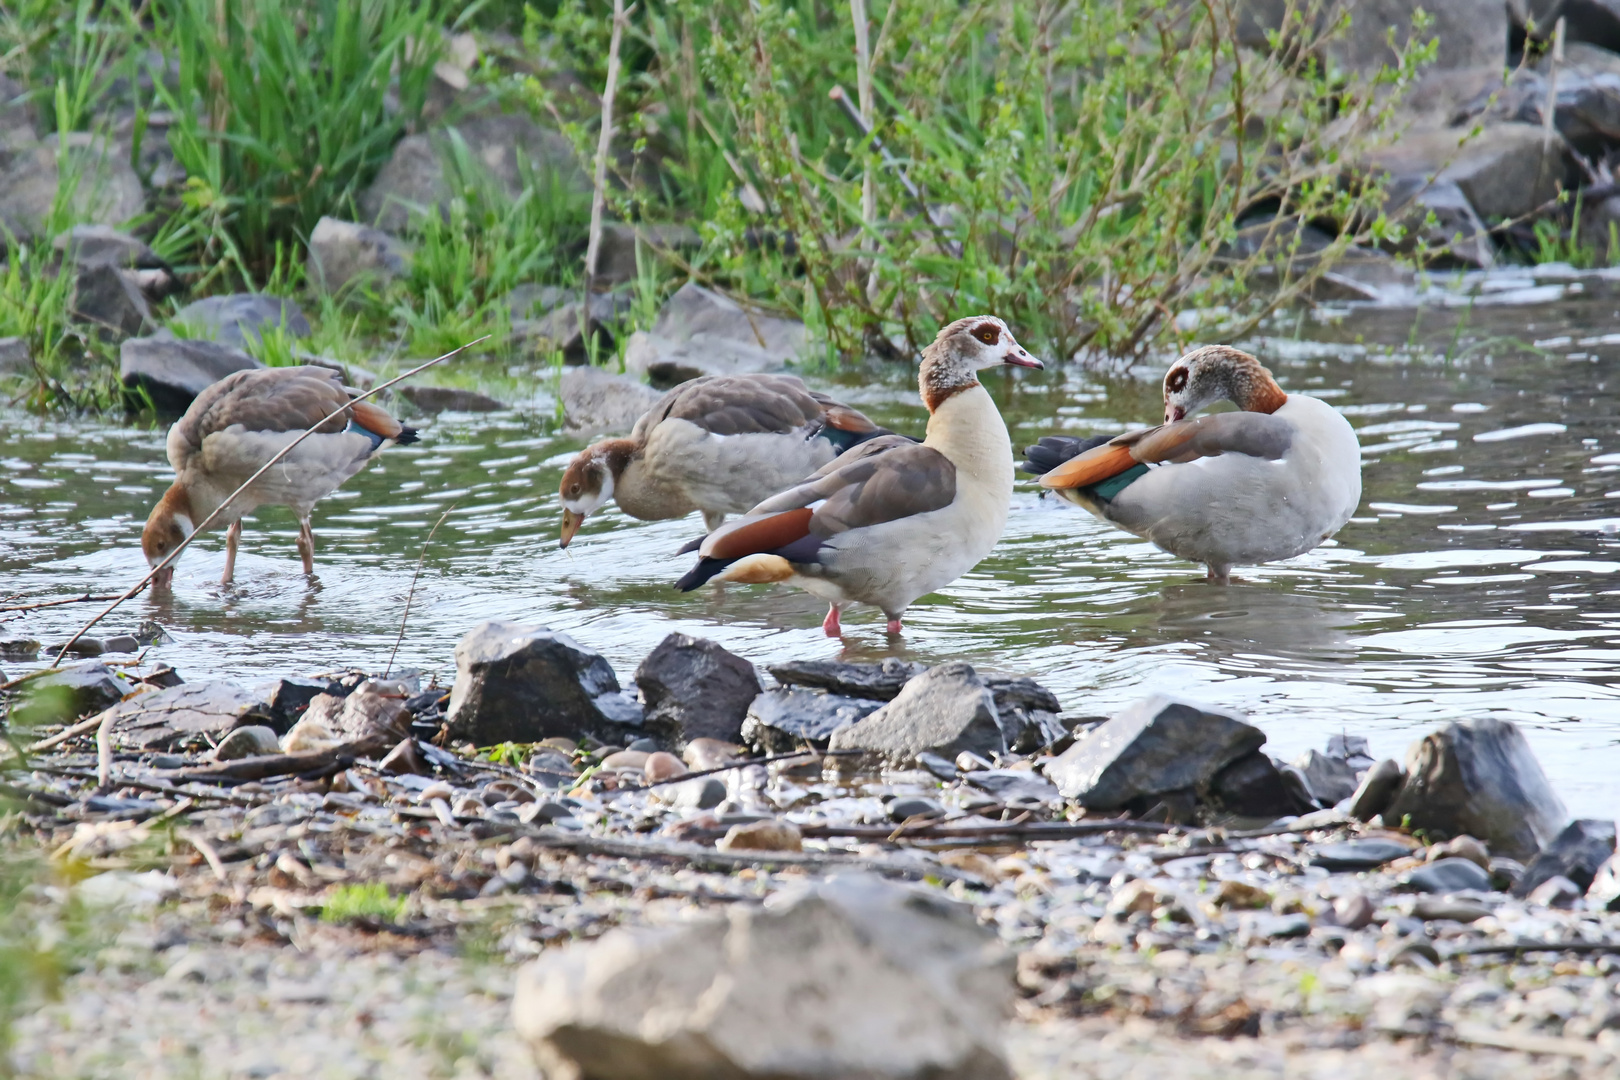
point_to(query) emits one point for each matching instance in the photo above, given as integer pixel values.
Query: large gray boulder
(235, 319)
(1577, 854)
(624, 245)
(784, 719)
(1469, 32)
(519, 683)
(1507, 171)
(1479, 777)
(943, 711)
(700, 332)
(107, 191)
(1153, 747)
(173, 371)
(109, 299)
(343, 253)
(851, 978)
(697, 687)
(103, 245)
(189, 716)
(548, 319)
(597, 401)
(503, 149)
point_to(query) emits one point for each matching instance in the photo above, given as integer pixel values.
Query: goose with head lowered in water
(237, 425)
(1270, 481)
(891, 519)
(717, 444)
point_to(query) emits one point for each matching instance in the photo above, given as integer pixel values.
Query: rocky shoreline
(1150, 880)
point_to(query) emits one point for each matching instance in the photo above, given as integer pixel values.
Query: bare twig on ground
(65, 734)
(205, 849)
(268, 765)
(249, 482)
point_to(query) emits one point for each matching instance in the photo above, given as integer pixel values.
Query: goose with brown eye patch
(716, 445)
(1271, 481)
(890, 520)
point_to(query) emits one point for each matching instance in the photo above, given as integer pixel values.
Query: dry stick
(85, 599)
(65, 734)
(205, 849)
(411, 594)
(863, 89)
(283, 452)
(603, 142)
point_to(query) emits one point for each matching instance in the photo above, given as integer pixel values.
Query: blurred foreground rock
(854, 977)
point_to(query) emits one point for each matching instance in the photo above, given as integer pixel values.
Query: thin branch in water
(249, 482)
(411, 593)
(87, 598)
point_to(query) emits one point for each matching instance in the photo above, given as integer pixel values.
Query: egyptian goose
(891, 519)
(241, 422)
(718, 444)
(1232, 489)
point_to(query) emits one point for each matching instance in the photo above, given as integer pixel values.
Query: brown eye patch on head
(1176, 381)
(989, 333)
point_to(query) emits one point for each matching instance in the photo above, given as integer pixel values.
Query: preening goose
(718, 444)
(890, 520)
(241, 422)
(1231, 489)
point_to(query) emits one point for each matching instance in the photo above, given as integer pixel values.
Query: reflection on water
(1479, 576)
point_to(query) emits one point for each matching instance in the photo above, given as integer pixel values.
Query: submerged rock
(435, 399)
(1151, 748)
(519, 683)
(1577, 853)
(880, 981)
(172, 372)
(944, 711)
(697, 687)
(782, 720)
(1479, 777)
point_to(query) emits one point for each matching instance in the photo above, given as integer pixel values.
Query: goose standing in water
(717, 444)
(1269, 482)
(891, 519)
(241, 422)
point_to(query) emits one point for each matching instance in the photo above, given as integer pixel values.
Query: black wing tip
(406, 436)
(1053, 450)
(691, 546)
(700, 574)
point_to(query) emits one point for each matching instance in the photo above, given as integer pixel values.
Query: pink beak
(1021, 358)
(1172, 413)
(163, 578)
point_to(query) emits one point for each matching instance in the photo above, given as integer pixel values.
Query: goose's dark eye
(988, 333)
(1176, 381)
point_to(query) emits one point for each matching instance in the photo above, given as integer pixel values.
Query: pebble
(1448, 875)
(1461, 847)
(626, 761)
(252, 741)
(1239, 895)
(1555, 892)
(769, 835)
(705, 753)
(1353, 912)
(661, 766)
(905, 808)
(1363, 854)
(1448, 909)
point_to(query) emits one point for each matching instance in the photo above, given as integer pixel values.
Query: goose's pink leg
(829, 625)
(233, 536)
(306, 544)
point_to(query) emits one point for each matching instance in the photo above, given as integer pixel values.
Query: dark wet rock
(1508, 171)
(945, 710)
(235, 319)
(519, 683)
(403, 760)
(547, 319)
(1027, 711)
(1505, 872)
(435, 399)
(250, 741)
(1576, 854)
(344, 254)
(1556, 892)
(700, 332)
(1604, 892)
(15, 357)
(1151, 748)
(598, 401)
(621, 244)
(286, 699)
(1365, 853)
(940, 767)
(189, 716)
(1014, 787)
(109, 300)
(162, 677)
(85, 646)
(910, 806)
(1437, 216)
(782, 720)
(120, 643)
(1377, 790)
(1479, 777)
(108, 191)
(424, 174)
(1329, 779)
(1446, 876)
(699, 793)
(19, 649)
(698, 687)
(1253, 787)
(172, 371)
(68, 693)
(879, 682)
(1353, 750)
(846, 958)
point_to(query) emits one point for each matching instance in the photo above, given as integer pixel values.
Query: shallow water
(1478, 578)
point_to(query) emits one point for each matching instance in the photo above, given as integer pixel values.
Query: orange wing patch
(375, 420)
(844, 418)
(1091, 467)
(748, 537)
